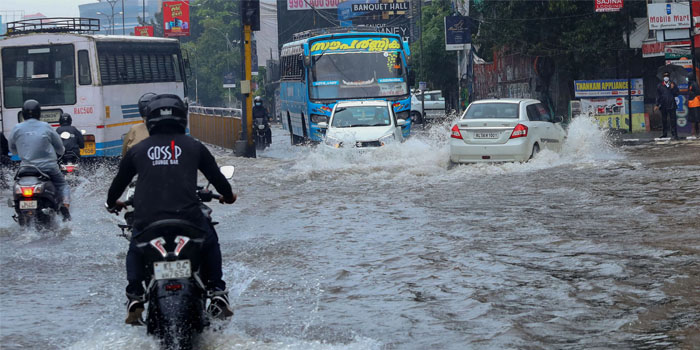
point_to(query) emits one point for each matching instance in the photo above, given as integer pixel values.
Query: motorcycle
(261, 130)
(34, 197)
(176, 296)
(68, 163)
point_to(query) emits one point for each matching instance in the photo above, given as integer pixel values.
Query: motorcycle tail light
(173, 287)
(28, 191)
(70, 168)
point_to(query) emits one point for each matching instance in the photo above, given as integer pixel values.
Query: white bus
(98, 79)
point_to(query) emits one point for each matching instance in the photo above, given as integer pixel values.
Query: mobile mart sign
(668, 16)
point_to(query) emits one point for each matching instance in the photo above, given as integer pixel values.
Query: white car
(504, 130)
(361, 124)
(434, 104)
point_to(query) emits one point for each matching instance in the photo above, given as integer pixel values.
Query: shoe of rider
(65, 212)
(134, 310)
(219, 306)
(37, 144)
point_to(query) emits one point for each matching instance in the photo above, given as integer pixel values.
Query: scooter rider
(75, 142)
(259, 112)
(37, 144)
(166, 164)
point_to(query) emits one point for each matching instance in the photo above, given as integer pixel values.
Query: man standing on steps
(666, 93)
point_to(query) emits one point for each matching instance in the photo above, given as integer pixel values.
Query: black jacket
(666, 96)
(260, 112)
(166, 187)
(75, 142)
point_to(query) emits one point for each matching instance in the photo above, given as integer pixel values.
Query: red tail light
(89, 138)
(69, 168)
(455, 133)
(173, 287)
(519, 131)
(28, 191)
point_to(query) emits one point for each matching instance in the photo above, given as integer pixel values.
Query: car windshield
(348, 117)
(496, 110)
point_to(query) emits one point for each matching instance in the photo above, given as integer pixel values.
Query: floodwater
(596, 247)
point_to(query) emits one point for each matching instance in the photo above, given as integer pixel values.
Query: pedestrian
(694, 107)
(666, 93)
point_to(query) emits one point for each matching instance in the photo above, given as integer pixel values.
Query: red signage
(176, 18)
(143, 31)
(657, 48)
(608, 5)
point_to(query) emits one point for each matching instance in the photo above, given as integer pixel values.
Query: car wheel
(416, 117)
(535, 150)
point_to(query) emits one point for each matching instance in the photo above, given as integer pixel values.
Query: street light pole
(123, 26)
(112, 3)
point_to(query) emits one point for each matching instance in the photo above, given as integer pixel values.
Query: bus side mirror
(307, 61)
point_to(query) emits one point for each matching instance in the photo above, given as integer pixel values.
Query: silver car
(504, 130)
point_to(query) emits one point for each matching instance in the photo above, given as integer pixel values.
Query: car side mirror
(558, 119)
(227, 170)
(322, 125)
(401, 122)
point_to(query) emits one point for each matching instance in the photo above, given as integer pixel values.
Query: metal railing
(54, 25)
(216, 126)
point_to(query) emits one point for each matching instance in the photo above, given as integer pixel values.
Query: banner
(457, 33)
(668, 16)
(176, 18)
(607, 87)
(312, 4)
(608, 5)
(143, 31)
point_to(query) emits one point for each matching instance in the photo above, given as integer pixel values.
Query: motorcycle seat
(170, 227)
(29, 170)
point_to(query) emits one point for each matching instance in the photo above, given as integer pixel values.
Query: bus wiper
(380, 124)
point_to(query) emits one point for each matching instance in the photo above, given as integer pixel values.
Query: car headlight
(387, 139)
(333, 142)
(317, 118)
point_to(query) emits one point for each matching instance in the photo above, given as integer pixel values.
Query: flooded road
(596, 247)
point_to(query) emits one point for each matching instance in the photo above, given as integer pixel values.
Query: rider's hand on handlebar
(118, 206)
(223, 200)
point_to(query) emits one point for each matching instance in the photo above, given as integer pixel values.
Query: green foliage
(440, 65)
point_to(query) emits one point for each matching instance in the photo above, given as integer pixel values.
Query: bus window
(43, 73)
(84, 77)
(176, 67)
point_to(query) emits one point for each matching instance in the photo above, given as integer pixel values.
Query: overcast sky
(50, 8)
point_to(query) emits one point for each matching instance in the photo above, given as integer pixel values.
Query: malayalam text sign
(143, 31)
(668, 16)
(608, 5)
(176, 18)
(607, 87)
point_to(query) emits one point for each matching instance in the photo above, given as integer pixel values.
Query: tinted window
(43, 73)
(496, 110)
(532, 113)
(84, 77)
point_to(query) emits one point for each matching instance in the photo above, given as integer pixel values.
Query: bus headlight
(317, 118)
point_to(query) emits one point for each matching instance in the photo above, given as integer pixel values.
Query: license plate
(28, 204)
(88, 150)
(486, 135)
(165, 270)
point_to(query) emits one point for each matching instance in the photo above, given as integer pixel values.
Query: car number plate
(486, 135)
(88, 150)
(165, 270)
(28, 204)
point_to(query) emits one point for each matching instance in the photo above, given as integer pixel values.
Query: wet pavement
(596, 247)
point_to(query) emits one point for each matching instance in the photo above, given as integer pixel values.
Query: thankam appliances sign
(668, 16)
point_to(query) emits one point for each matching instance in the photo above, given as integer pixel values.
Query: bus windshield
(358, 75)
(43, 73)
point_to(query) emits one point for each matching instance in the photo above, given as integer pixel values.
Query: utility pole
(692, 39)
(123, 13)
(250, 15)
(629, 62)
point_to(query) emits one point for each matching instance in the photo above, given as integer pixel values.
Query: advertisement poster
(668, 16)
(312, 4)
(607, 87)
(457, 33)
(608, 5)
(143, 31)
(611, 112)
(176, 18)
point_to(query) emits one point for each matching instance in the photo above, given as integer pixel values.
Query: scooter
(176, 296)
(261, 130)
(68, 163)
(34, 198)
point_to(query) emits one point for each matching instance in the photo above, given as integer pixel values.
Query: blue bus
(322, 67)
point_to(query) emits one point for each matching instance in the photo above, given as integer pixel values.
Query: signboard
(312, 4)
(676, 52)
(607, 87)
(608, 5)
(657, 49)
(457, 33)
(230, 80)
(176, 18)
(143, 31)
(380, 7)
(350, 44)
(668, 16)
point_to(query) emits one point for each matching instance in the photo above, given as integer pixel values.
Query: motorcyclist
(259, 112)
(166, 164)
(75, 142)
(138, 132)
(37, 144)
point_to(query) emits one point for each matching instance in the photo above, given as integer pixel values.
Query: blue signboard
(457, 33)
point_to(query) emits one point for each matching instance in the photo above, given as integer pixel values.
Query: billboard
(457, 33)
(176, 18)
(608, 5)
(143, 31)
(668, 16)
(312, 4)
(607, 87)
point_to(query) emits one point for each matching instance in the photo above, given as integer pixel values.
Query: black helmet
(65, 119)
(166, 110)
(31, 109)
(258, 101)
(143, 103)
